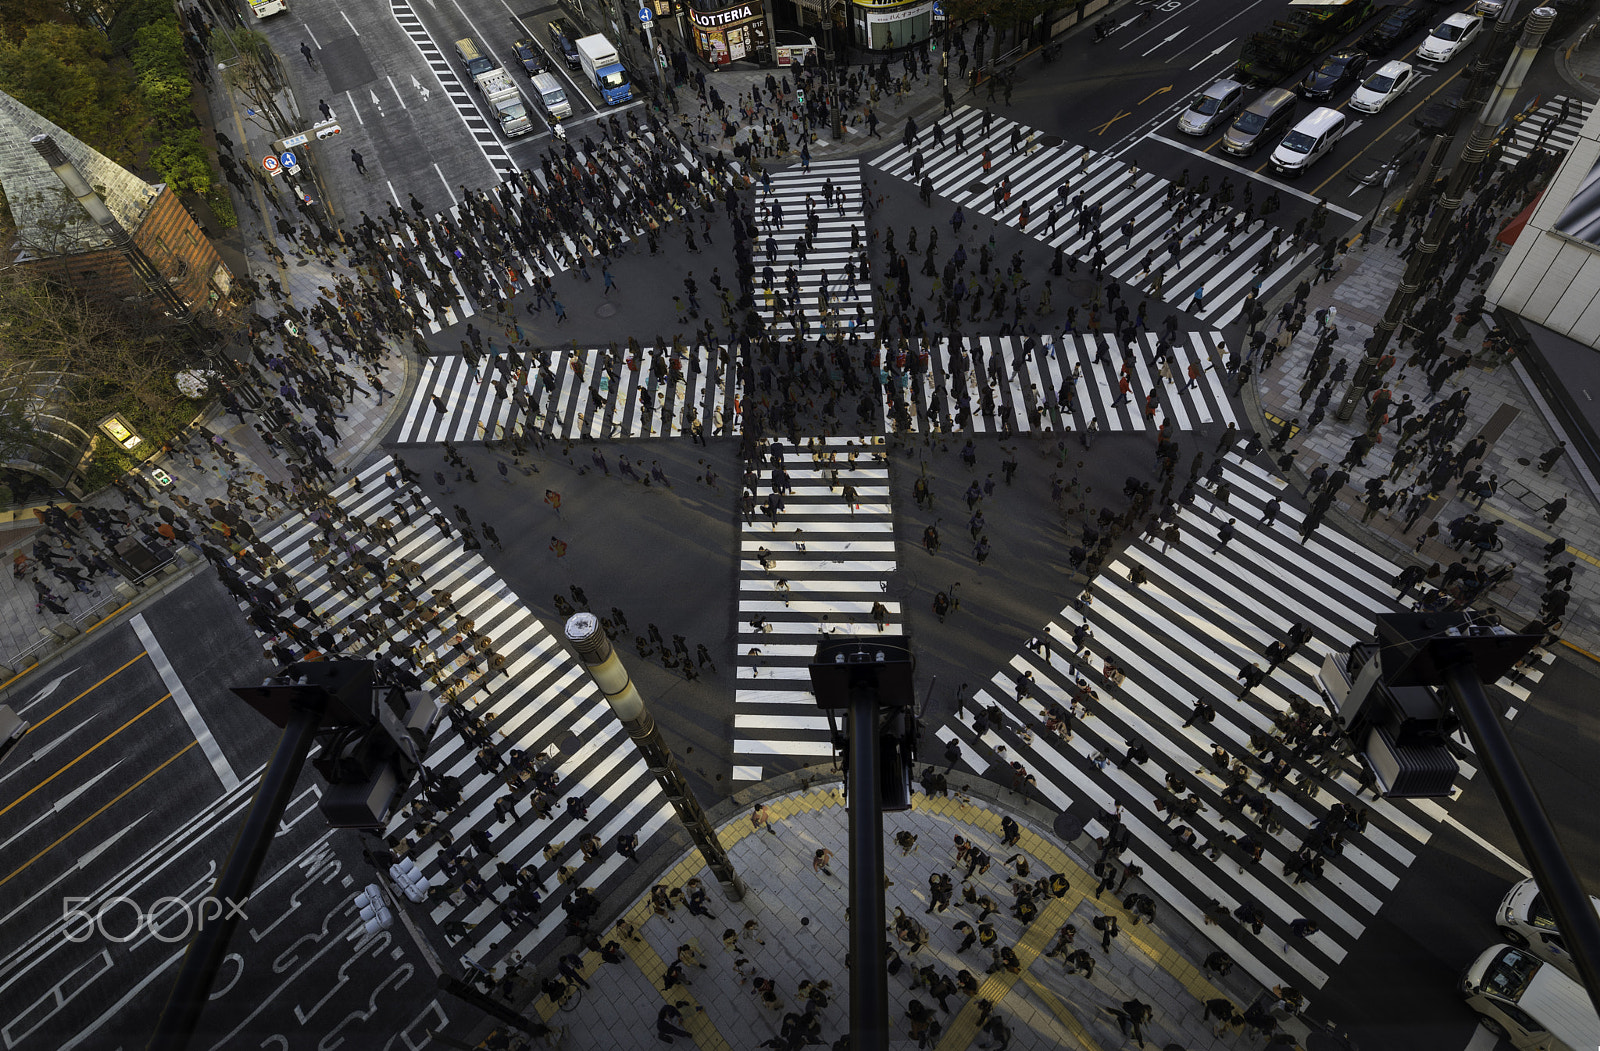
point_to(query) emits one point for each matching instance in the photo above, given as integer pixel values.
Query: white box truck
(603, 67)
(500, 91)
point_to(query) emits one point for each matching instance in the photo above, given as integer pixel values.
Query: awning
(1509, 232)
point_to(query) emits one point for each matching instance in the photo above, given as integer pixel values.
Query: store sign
(722, 18)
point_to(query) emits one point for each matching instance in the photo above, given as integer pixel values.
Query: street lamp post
(609, 673)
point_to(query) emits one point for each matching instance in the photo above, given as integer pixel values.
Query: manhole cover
(569, 744)
(606, 310)
(1068, 826)
(1082, 288)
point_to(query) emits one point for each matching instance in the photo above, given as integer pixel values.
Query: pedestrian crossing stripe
(543, 697)
(834, 560)
(830, 252)
(1202, 616)
(575, 395)
(1228, 274)
(1028, 377)
(1520, 138)
(619, 161)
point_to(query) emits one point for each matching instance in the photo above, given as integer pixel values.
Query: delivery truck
(500, 91)
(603, 67)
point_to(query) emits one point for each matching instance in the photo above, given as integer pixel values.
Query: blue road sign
(645, 17)
(288, 159)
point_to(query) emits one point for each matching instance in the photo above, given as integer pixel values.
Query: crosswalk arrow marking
(1158, 91)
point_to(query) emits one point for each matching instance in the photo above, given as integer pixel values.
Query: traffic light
(326, 129)
(375, 914)
(409, 880)
(800, 96)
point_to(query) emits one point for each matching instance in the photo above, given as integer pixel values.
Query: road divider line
(191, 714)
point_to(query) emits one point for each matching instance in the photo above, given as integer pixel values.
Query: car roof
(1347, 53)
(1222, 87)
(1393, 68)
(1460, 18)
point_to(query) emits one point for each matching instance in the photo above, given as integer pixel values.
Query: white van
(1528, 1003)
(1527, 922)
(551, 97)
(1309, 141)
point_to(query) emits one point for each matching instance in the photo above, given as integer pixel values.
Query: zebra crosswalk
(1183, 637)
(796, 269)
(1020, 186)
(522, 682)
(1555, 125)
(1009, 384)
(817, 563)
(579, 394)
(455, 280)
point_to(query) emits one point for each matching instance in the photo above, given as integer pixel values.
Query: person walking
(1108, 928)
(761, 819)
(361, 165)
(821, 860)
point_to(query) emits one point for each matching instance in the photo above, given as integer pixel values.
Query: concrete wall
(1549, 278)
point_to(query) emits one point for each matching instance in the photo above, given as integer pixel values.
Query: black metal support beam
(192, 989)
(1575, 914)
(869, 981)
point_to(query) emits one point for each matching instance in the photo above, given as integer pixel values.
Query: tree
(62, 73)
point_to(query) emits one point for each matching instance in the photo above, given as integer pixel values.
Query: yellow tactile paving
(964, 1025)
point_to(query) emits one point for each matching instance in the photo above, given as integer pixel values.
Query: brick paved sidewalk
(801, 916)
(1505, 406)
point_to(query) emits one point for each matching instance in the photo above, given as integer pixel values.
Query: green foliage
(163, 78)
(182, 162)
(158, 52)
(61, 72)
(133, 16)
(222, 207)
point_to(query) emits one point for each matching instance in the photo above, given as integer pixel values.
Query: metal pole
(1420, 268)
(1575, 914)
(205, 954)
(600, 657)
(869, 981)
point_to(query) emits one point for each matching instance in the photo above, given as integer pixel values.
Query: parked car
(562, 40)
(1439, 114)
(1489, 9)
(1333, 73)
(529, 57)
(1397, 24)
(1212, 108)
(1392, 80)
(1525, 920)
(1450, 37)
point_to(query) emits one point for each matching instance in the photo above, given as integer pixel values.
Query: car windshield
(1250, 121)
(1205, 104)
(1510, 974)
(1298, 141)
(1448, 31)
(1379, 82)
(613, 80)
(1332, 67)
(1539, 914)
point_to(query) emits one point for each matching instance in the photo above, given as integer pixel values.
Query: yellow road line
(116, 799)
(97, 744)
(142, 655)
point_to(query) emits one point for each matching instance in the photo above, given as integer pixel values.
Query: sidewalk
(1505, 407)
(197, 471)
(801, 918)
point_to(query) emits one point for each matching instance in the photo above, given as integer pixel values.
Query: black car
(531, 60)
(1397, 24)
(1441, 111)
(1334, 72)
(561, 39)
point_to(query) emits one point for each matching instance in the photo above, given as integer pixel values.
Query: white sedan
(1450, 37)
(1391, 81)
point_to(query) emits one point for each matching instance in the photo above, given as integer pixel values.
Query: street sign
(645, 17)
(289, 160)
(938, 9)
(270, 163)
(294, 140)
